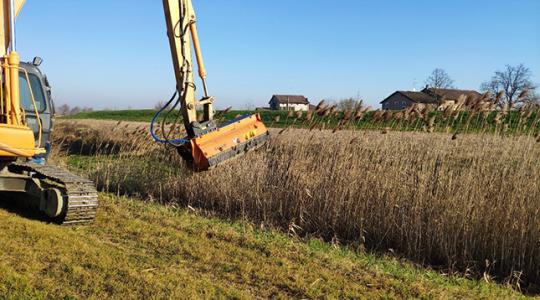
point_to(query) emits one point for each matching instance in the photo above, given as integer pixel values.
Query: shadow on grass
(22, 206)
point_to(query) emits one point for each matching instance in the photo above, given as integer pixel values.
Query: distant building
(431, 96)
(289, 102)
(450, 94)
(403, 99)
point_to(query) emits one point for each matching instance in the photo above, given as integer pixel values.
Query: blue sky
(114, 54)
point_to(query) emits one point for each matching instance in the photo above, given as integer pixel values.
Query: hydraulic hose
(152, 124)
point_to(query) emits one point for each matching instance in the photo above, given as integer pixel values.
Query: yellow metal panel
(17, 141)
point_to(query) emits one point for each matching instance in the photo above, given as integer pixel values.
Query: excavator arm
(207, 144)
(178, 19)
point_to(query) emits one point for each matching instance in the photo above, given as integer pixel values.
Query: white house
(289, 102)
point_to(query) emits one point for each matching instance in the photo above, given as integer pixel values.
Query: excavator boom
(207, 144)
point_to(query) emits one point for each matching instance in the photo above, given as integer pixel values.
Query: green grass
(146, 115)
(142, 115)
(461, 124)
(144, 250)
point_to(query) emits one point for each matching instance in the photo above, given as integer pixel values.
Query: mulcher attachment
(231, 140)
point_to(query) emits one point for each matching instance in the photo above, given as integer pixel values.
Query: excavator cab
(41, 92)
(36, 105)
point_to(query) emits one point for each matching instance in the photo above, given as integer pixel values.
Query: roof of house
(432, 95)
(291, 99)
(417, 97)
(452, 94)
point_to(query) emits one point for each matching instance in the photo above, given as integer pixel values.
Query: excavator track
(80, 194)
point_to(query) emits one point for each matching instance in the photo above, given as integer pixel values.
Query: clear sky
(114, 53)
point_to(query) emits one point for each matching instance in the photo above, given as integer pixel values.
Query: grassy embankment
(144, 250)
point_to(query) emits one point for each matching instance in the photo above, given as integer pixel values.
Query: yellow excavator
(27, 111)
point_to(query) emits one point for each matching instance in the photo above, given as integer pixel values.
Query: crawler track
(80, 194)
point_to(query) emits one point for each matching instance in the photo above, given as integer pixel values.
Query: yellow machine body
(16, 138)
(17, 141)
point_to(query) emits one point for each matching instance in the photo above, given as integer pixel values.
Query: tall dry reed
(467, 202)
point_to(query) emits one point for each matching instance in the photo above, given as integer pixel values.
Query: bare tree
(63, 110)
(159, 105)
(513, 81)
(66, 110)
(439, 79)
(75, 110)
(249, 105)
(532, 97)
(349, 104)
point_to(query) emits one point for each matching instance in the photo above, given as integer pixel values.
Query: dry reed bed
(471, 204)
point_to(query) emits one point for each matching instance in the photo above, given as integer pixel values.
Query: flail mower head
(225, 142)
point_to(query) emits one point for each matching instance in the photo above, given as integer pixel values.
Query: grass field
(142, 250)
(513, 122)
(146, 115)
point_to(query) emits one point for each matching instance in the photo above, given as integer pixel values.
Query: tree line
(506, 85)
(66, 110)
(510, 87)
